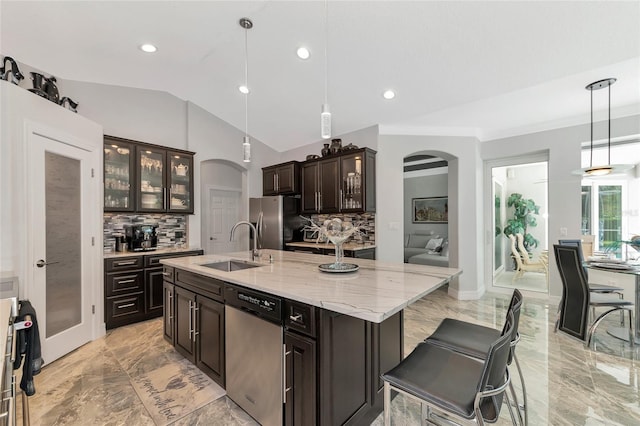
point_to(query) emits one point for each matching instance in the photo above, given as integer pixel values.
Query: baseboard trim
(466, 295)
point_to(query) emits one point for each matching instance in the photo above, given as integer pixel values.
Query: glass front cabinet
(152, 178)
(118, 176)
(180, 182)
(146, 178)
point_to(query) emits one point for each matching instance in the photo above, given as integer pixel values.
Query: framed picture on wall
(430, 210)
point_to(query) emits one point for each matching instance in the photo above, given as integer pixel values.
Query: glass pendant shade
(325, 122)
(246, 149)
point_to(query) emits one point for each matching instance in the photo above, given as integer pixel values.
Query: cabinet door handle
(284, 373)
(295, 318)
(274, 183)
(166, 274)
(190, 321)
(128, 305)
(278, 182)
(341, 199)
(195, 321)
(126, 281)
(170, 307)
(130, 262)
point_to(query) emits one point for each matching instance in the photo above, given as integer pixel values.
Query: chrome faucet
(254, 253)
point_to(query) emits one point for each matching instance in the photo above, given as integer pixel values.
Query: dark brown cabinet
(133, 287)
(169, 311)
(118, 175)
(281, 179)
(184, 323)
(300, 376)
(146, 178)
(342, 183)
(197, 321)
(320, 192)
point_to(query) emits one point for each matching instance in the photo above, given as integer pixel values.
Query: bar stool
(451, 386)
(474, 340)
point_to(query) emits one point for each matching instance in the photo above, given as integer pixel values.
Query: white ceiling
(489, 69)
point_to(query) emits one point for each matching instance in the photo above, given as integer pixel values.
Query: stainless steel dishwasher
(254, 353)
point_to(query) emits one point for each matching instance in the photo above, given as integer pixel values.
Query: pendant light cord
(591, 159)
(609, 132)
(246, 83)
(326, 50)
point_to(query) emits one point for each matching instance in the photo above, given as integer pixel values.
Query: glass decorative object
(338, 232)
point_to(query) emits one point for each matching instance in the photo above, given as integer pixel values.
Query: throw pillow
(434, 243)
(445, 249)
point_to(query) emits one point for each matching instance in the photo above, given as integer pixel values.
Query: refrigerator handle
(259, 229)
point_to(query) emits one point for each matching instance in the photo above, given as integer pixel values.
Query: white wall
(18, 108)
(465, 189)
(367, 137)
(421, 187)
(563, 148)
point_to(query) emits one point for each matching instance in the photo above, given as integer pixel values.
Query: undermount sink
(231, 265)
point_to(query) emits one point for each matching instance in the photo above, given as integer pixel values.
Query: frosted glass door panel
(63, 244)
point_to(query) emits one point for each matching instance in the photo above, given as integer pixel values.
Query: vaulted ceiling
(489, 69)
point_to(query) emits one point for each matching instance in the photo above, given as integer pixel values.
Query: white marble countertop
(150, 252)
(373, 293)
(346, 246)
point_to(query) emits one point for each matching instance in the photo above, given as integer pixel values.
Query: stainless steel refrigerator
(276, 220)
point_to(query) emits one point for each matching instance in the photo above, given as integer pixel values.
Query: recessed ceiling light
(303, 53)
(243, 89)
(389, 94)
(149, 48)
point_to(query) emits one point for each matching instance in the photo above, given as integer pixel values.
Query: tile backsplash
(367, 222)
(172, 228)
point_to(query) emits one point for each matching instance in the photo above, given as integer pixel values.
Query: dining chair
(452, 387)
(573, 312)
(475, 340)
(594, 288)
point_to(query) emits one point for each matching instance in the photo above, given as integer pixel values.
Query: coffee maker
(141, 237)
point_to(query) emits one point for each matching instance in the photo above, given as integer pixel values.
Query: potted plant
(524, 211)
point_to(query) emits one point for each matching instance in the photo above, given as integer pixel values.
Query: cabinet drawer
(300, 317)
(124, 309)
(168, 273)
(210, 287)
(154, 259)
(123, 263)
(124, 282)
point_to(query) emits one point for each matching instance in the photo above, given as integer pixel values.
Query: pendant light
(246, 143)
(325, 114)
(594, 171)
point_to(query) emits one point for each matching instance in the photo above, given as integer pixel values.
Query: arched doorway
(224, 202)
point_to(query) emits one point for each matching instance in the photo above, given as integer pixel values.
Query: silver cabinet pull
(284, 373)
(170, 307)
(128, 305)
(274, 182)
(190, 320)
(130, 262)
(166, 274)
(195, 322)
(295, 318)
(126, 281)
(341, 199)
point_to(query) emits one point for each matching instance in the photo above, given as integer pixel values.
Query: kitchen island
(340, 330)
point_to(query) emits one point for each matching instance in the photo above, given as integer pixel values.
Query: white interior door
(60, 239)
(223, 214)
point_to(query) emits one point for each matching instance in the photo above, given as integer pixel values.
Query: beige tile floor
(567, 384)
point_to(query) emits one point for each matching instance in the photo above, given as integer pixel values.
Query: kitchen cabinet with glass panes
(118, 175)
(158, 179)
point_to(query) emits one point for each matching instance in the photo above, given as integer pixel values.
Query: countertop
(150, 252)
(373, 293)
(346, 246)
